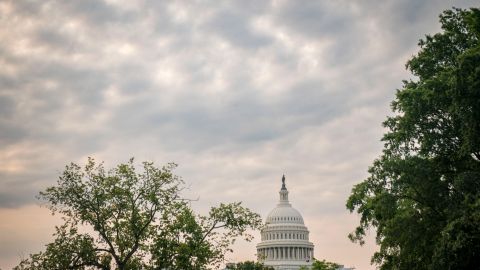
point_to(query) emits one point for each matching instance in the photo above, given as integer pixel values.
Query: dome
(284, 214)
(285, 241)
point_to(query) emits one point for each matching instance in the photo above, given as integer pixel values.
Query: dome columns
(285, 253)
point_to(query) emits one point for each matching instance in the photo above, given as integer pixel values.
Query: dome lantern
(283, 192)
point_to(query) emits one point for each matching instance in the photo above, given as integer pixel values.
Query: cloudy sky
(236, 92)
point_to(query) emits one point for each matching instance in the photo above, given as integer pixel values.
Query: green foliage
(322, 265)
(136, 220)
(249, 265)
(423, 192)
(190, 242)
(70, 250)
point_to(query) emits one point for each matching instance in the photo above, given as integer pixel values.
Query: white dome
(284, 239)
(284, 214)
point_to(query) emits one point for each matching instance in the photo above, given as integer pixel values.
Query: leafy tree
(187, 241)
(124, 219)
(249, 265)
(324, 265)
(423, 192)
(321, 265)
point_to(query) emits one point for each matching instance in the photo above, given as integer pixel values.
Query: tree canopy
(423, 193)
(126, 219)
(248, 265)
(322, 265)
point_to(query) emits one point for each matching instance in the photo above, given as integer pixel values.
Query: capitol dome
(284, 214)
(285, 244)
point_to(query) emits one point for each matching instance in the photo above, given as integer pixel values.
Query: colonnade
(290, 235)
(285, 253)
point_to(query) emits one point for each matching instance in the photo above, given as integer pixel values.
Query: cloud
(236, 29)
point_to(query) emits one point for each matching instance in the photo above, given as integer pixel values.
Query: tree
(423, 193)
(322, 265)
(124, 219)
(249, 265)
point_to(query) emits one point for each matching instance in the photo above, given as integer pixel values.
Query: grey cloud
(246, 122)
(191, 123)
(249, 6)
(311, 98)
(334, 22)
(11, 133)
(400, 22)
(405, 22)
(83, 84)
(398, 25)
(14, 198)
(95, 13)
(7, 107)
(21, 188)
(131, 79)
(164, 25)
(315, 19)
(27, 8)
(55, 40)
(194, 127)
(235, 28)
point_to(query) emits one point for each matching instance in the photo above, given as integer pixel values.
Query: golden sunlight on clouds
(20, 157)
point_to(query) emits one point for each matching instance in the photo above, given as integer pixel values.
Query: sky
(236, 93)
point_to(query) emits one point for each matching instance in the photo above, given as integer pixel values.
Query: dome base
(287, 265)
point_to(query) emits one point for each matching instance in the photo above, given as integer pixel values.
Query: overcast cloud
(236, 92)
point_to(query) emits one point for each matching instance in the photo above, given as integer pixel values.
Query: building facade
(285, 238)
